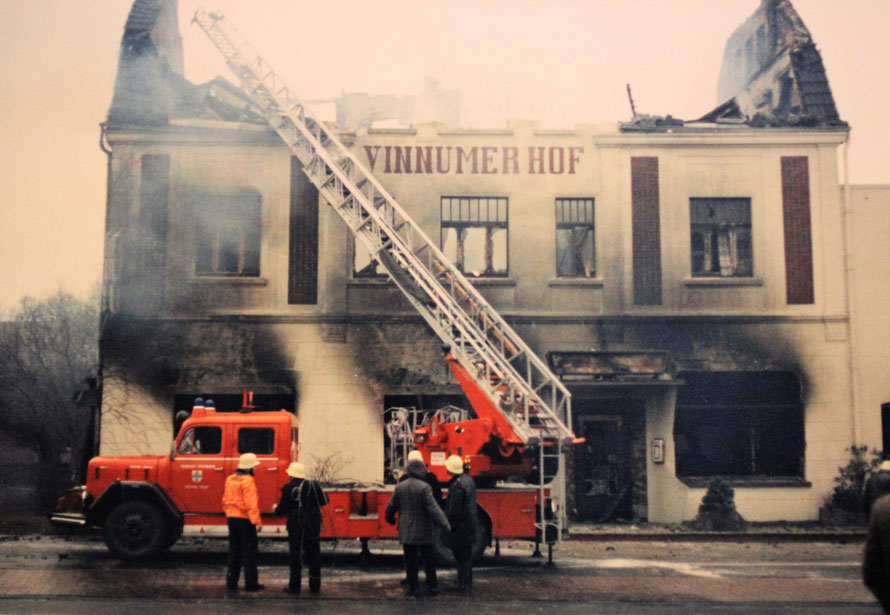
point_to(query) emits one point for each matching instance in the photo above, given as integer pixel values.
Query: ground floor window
(739, 424)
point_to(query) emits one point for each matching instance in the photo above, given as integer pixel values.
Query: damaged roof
(150, 89)
(772, 75)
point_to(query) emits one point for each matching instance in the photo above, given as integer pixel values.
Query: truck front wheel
(135, 529)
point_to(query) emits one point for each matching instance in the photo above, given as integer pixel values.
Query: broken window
(575, 239)
(739, 424)
(228, 235)
(363, 266)
(721, 237)
(474, 234)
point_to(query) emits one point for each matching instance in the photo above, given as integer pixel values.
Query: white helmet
(296, 470)
(248, 461)
(415, 455)
(454, 465)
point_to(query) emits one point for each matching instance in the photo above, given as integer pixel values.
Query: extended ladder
(533, 400)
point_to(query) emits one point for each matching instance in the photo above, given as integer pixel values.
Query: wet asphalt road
(53, 575)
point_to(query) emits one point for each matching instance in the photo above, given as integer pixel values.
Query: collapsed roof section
(772, 75)
(150, 88)
(772, 69)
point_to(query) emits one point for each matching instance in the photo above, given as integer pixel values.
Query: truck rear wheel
(135, 529)
(444, 556)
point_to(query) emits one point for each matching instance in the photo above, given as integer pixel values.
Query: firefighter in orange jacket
(243, 518)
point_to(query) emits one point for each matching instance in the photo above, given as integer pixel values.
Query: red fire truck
(143, 504)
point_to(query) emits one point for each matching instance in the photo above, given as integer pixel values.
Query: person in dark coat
(417, 512)
(876, 563)
(301, 500)
(461, 505)
(430, 478)
(877, 485)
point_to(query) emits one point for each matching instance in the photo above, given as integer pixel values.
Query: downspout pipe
(104, 307)
(851, 299)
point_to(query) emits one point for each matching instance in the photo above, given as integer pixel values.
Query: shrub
(849, 484)
(719, 497)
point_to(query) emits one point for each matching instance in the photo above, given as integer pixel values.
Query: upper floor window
(721, 237)
(474, 234)
(575, 239)
(228, 235)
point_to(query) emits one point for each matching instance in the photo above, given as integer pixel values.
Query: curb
(839, 537)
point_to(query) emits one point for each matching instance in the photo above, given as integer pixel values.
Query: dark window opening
(575, 238)
(227, 238)
(474, 234)
(259, 440)
(721, 237)
(201, 441)
(739, 424)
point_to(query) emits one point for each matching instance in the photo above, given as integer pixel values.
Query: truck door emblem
(197, 475)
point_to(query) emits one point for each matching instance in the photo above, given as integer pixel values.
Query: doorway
(610, 466)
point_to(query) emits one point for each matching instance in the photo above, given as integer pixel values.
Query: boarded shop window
(798, 235)
(259, 440)
(228, 235)
(646, 230)
(302, 282)
(474, 234)
(575, 238)
(739, 424)
(721, 237)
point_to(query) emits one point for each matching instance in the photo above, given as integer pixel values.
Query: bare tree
(47, 348)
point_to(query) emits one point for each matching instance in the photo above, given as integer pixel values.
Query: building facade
(686, 280)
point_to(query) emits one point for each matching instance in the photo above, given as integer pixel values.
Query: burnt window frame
(462, 213)
(763, 427)
(580, 216)
(217, 214)
(704, 260)
(372, 270)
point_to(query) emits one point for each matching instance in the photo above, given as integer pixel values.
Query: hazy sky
(559, 62)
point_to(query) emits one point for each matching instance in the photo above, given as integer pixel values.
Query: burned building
(685, 280)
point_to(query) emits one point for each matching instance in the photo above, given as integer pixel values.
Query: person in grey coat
(461, 505)
(417, 511)
(876, 562)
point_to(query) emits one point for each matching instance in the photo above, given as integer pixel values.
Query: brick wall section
(646, 231)
(798, 235)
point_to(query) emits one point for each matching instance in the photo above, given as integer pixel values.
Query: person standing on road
(876, 562)
(243, 518)
(417, 511)
(461, 504)
(877, 485)
(301, 500)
